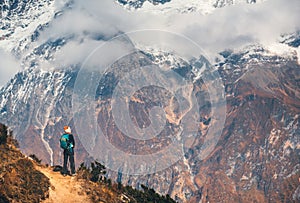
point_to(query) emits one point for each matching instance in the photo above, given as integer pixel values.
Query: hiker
(67, 142)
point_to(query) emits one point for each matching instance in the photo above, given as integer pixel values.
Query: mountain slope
(257, 155)
(258, 152)
(24, 179)
(20, 181)
(45, 110)
(260, 136)
(20, 20)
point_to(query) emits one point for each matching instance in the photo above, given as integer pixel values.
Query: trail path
(64, 189)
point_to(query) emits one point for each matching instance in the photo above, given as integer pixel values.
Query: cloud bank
(230, 27)
(88, 24)
(8, 67)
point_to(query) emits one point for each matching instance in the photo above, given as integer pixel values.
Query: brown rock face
(256, 159)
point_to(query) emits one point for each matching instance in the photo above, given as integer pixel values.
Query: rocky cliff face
(45, 108)
(256, 157)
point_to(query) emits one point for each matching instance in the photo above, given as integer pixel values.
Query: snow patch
(22, 27)
(298, 54)
(179, 6)
(244, 178)
(284, 50)
(274, 136)
(231, 163)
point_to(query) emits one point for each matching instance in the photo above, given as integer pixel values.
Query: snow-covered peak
(179, 6)
(258, 53)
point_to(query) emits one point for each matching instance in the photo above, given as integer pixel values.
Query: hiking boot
(74, 174)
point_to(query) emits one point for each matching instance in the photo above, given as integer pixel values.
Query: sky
(232, 27)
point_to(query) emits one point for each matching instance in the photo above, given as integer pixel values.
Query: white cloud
(239, 25)
(75, 52)
(8, 67)
(89, 23)
(76, 22)
(99, 53)
(229, 27)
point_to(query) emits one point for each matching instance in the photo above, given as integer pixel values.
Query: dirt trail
(64, 189)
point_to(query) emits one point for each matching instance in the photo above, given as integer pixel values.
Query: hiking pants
(68, 156)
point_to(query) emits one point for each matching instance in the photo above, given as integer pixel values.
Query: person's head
(67, 129)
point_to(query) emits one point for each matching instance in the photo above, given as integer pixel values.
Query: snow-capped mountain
(19, 21)
(257, 156)
(165, 6)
